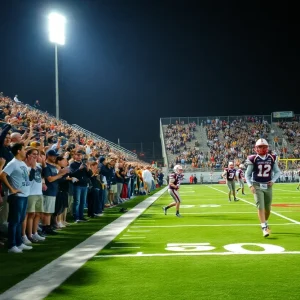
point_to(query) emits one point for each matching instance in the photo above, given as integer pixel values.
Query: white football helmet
(177, 168)
(261, 142)
(231, 165)
(261, 147)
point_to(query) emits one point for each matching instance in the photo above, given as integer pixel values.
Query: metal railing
(111, 144)
(206, 120)
(163, 146)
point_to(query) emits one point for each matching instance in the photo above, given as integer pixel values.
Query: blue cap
(102, 159)
(51, 152)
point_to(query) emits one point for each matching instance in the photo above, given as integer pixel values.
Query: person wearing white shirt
(147, 178)
(17, 178)
(35, 201)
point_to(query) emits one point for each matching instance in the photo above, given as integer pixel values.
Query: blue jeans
(16, 216)
(79, 195)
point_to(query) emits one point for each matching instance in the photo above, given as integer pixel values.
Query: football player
(175, 178)
(229, 175)
(240, 176)
(262, 172)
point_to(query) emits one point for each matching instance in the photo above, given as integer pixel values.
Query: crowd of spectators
(178, 135)
(235, 140)
(291, 133)
(50, 171)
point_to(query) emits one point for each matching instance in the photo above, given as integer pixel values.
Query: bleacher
(229, 138)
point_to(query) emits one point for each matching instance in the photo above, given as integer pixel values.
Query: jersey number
(230, 175)
(264, 170)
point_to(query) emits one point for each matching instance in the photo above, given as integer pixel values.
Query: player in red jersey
(240, 176)
(262, 172)
(175, 178)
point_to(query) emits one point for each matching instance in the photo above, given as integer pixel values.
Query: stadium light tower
(57, 36)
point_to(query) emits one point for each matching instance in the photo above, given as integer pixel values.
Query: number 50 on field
(240, 248)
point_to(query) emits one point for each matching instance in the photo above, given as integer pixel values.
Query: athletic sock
(177, 212)
(263, 225)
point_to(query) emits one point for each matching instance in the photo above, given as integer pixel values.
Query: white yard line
(207, 225)
(220, 213)
(132, 237)
(125, 247)
(273, 212)
(140, 254)
(41, 283)
(138, 231)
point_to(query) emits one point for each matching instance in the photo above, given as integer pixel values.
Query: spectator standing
(19, 189)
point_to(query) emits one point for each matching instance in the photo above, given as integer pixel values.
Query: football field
(215, 251)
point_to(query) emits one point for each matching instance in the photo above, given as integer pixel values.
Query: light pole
(57, 36)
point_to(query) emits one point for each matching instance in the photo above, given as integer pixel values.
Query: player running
(261, 174)
(240, 176)
(175, 179)
(229, 175)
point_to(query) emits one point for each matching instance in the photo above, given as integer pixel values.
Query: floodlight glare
(57, 28)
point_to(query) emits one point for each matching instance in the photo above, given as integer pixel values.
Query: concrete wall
(206, 176)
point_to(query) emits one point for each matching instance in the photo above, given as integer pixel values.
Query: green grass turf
(260, 276)
(14, 268)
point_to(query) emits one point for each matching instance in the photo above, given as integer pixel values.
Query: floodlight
(57, 28)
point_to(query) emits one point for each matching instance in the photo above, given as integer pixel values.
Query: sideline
(41, 283)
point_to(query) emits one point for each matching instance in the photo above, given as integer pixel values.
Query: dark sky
(127, 63)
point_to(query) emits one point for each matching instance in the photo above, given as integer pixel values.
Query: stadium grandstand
(206, 144)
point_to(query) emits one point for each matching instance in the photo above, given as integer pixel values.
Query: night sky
(128, 63)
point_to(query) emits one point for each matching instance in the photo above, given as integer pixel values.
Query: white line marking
(139, 254)
(219, 213)
(132, 237)
(56, 272)
(210, 225)
(125, 247)
(273, 212)
(137, 231)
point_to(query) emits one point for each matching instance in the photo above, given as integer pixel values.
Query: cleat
(229, 200)
(165, 210)
(178, 216)
(243, 193)
(265, 232)
(236, 200)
